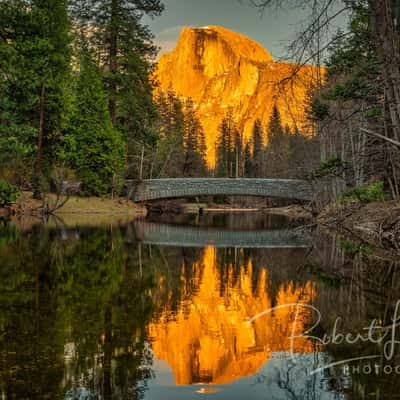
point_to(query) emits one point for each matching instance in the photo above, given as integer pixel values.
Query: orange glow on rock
(220, 69)
(209, 339)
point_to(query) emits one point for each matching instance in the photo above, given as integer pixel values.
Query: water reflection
(93, 313)
(195, 236)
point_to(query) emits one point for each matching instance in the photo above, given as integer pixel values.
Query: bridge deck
(158, 189)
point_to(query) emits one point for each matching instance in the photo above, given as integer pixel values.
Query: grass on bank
(80, 205)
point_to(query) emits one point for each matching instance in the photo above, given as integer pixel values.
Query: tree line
(354, 112)
(76, 93)
(273, 151)
(181, 148)
(77, 101)
(355, 108)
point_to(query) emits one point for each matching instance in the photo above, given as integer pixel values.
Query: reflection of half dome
(209, 339)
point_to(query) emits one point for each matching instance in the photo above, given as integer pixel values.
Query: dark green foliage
(35, 52)
(287, 154)
(8, 193)
(352, 100)
(318, 111)
(37, 80)
(367, 194)
(248, 161)
(226, 147)
(194, 143)
(277, 151)
(181, 150)
(334, 166)
(97, 148)
(352, 248)
(169, 159)
(124, 46)
(258, 150)
(73, 287)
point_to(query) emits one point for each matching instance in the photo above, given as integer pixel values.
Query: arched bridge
(158, 189)
(186, 236)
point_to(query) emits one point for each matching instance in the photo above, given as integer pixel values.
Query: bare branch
(378, 135)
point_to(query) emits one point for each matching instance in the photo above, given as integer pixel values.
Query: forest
(201, 300)
(77, 103)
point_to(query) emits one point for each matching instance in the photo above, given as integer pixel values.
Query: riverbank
(377, 223)
(74, 205)
(293, 212)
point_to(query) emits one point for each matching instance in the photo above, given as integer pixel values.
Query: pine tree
(170, 155)
(277, 147)
(257, 150)
(238, 154)
(124, 45)
(97, 147)
(248, 161)
(194, 143)
(225, 154)
(35, 54)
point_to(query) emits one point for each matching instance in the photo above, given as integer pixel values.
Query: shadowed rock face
(220, 69)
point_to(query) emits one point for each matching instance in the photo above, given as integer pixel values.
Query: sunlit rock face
(209, 339)
(221, 69)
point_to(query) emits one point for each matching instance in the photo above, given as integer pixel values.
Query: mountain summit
(221, 70)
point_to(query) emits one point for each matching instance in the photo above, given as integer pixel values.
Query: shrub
(353, 248)
(334, 166)
(319, 111)
(366, 194)
(8, 193)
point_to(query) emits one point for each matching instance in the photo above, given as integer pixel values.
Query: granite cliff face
(220, 69)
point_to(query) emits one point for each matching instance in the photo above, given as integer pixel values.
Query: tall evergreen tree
(277, 152)
(238, 154)
(248, 161)
(194, 143)
(257, 150)
(225, 147)
(170, 155)
(97, 147)
(35, 53)
(124, 45)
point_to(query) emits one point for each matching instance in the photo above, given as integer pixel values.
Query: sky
(274, 30)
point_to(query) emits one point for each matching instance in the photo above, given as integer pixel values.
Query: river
(235, 306)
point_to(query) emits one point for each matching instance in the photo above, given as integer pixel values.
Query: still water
(220, 307)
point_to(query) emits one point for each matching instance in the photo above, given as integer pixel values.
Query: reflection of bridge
(187, 236)
(158, 189)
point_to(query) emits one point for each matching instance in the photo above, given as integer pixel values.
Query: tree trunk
(387, 42)
(383, 20)
(113, 58)
(37, 193)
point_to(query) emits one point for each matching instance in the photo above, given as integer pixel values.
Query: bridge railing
(157, 189)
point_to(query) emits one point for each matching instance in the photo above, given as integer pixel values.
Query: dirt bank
(26, 205)
(294, 212)
(376, 223)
